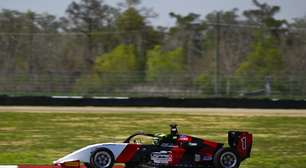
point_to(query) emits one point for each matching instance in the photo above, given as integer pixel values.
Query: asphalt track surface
(203, 111)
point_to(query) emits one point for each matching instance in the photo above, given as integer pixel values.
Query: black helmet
(173, 129)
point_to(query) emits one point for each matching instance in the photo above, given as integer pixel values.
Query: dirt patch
(193, 111)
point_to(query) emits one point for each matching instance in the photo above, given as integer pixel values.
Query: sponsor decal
(184, 138)
(207, 158)
(197, 157)
(162, 157)
(244, 143)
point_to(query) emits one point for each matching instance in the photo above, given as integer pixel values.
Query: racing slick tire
(226, 158)
(102, 158)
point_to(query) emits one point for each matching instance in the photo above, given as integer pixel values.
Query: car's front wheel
(102, 158)
(226, 158)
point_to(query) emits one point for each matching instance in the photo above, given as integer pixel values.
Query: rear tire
(226, 158)
(102, 158)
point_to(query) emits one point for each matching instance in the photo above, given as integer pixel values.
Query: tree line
(97, 48)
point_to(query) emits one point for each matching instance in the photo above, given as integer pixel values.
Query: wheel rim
(228, 160)
(102, 159)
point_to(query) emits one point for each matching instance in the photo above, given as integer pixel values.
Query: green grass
(40, 138)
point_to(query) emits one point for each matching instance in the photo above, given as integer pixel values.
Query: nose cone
(82, 155)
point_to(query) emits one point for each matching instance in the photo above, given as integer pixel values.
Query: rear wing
(242, 142)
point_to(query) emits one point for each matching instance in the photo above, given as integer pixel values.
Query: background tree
(294, 49)
(264, 16)
(10, 23)
(23, 46)
(231, 39)
(264, 60)
(187, 34)
(132, 3)
(134, 29)
(90, 17)
(263, 65)
(166, 68)
(113, 70)
(95, 39)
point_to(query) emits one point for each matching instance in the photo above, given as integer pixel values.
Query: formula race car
(172, 150)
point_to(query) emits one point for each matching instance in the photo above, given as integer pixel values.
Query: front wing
(83, 154)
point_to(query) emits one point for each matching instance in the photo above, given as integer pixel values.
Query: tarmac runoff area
(202, 111)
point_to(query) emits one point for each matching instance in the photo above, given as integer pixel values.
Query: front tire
(226, 158)
(102, 158)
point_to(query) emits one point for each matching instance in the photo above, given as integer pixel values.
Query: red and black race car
(172, 150)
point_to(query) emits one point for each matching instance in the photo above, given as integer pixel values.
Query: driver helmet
(173, 129)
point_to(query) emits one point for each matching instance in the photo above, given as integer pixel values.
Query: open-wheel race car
(172, 150)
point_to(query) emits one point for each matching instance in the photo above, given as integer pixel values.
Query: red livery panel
(128, 153)
(176, 155)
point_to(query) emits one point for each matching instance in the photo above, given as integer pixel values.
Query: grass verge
(40, 138)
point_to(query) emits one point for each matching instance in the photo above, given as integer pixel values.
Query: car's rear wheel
(226, 158)
(102, 158)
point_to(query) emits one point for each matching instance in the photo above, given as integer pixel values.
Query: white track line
(8, 166)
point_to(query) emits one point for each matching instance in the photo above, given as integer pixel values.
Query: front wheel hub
(103, 159)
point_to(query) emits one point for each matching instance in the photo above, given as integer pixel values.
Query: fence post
(268, 88)
(217, 56)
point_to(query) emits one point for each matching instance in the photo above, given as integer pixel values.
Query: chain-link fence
(214, 60)
(133, 85)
